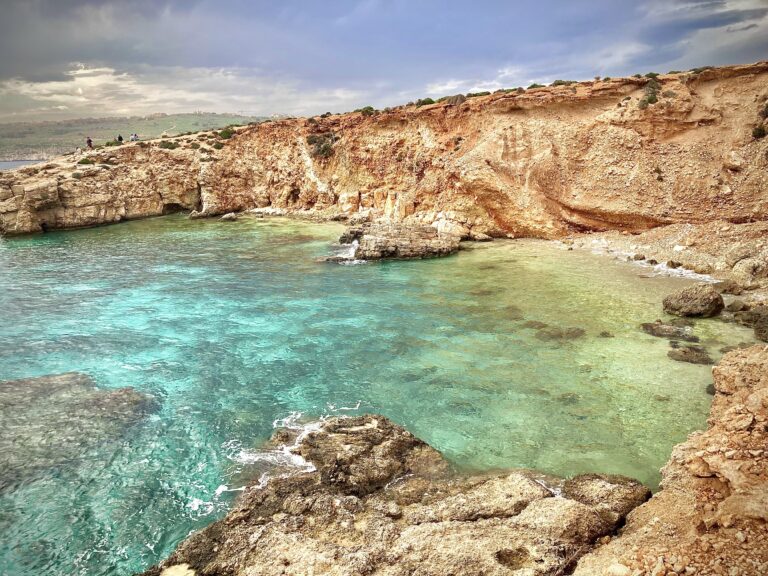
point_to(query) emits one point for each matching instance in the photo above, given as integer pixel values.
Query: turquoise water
(232, 326)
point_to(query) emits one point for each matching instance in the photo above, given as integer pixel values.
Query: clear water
(234, 325)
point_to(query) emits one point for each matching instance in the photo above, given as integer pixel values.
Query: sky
(64, 59)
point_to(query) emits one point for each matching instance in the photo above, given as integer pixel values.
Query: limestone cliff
(542, 163)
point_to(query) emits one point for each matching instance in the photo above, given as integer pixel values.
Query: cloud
(104, 91)
(103, 57)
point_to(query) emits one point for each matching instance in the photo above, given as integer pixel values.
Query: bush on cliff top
(476, 94)
(226, 134)
(322, 144)
(535, 85)
(86, 161)
(424, 102)
(168, 145)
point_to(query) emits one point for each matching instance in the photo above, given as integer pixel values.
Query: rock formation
(51, 421)
(383, 502)
(388, 240)
(544, 163)
(699, 300)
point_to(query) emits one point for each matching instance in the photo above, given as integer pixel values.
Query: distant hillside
(42, 140)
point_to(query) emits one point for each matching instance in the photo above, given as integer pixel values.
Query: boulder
(229, 217)
(699, 300)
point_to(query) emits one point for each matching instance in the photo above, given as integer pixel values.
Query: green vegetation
(113, 143)
(701, 69)
(226, 134)
(669, 94)
(535, 85)
(606, 79)
(86, 161)
(476, 94)
(322, 144)
(565, 82)
(77, 175)
(366, 111)
(168, 145)
(40, 139)
(218, 146)
(651, 94)
(653, 75)
(194, 145)
(764, 112)
(759, 132)
(424, 102)
(675, 72)
(326, 115)
(637, 75)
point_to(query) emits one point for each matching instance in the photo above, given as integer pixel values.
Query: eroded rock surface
(699, 300)
(710, 517)
(383, 502)
(51, 421)
(544, 163)
(387, 240)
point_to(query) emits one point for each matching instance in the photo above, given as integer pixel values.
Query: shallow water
(234, 325)
(13, 164)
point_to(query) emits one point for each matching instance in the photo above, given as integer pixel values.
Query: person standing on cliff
(119, 138)
(89, 143)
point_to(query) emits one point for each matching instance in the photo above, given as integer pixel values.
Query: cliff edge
(545, 162)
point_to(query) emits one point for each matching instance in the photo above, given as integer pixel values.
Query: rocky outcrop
(710, 517)
(698, 300)
(543, 163)
(51, 421)
(383, 502)
(388, 240)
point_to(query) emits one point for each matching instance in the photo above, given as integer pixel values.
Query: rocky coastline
(380, 501)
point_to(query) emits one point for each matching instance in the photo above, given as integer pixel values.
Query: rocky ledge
(383, 502)
(384, 239)
(380, 501)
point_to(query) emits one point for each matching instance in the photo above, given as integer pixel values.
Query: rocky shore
(380, 501)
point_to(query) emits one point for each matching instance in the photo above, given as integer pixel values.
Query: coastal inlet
(509, 354)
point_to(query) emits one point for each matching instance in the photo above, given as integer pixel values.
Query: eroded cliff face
(544, 163)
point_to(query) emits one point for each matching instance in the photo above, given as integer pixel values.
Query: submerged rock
(690, 354)
(401, 241)
(557, 333)
(756, 318)
(699, 300)
(51, 421)
(663, 330)
(381, 501)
